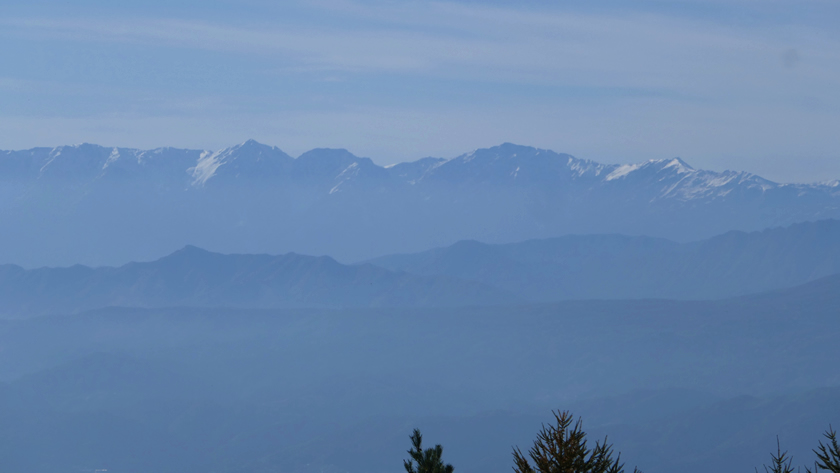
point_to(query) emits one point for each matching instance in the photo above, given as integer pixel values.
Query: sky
(739, 84)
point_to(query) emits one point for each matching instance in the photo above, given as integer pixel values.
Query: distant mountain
(101, 205)
(198, 278)
(679, 386)
(616, 266)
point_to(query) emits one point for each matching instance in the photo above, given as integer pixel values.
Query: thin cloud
(461, 41)
(596, 82)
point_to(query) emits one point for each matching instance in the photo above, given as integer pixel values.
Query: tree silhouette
(829, 455)
(562, 448)
(781, 461)
(425, 461)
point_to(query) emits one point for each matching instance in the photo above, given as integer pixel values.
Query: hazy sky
(737, 84)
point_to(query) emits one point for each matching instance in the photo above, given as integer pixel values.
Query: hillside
(618, 266)
(340, 390)
(198, 278)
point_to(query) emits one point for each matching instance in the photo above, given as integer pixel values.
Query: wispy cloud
(406, 79)
(491, 43)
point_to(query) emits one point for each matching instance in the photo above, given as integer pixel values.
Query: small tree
(562, 448)
(829, 455)
(781, 461)
(425, 461)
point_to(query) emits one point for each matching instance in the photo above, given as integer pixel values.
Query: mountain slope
(616, 266)
(101, 205)
(194, 277)
(677, 385)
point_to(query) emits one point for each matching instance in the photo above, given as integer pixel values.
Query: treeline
(562, 447)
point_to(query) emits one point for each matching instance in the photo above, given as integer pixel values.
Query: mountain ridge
(802, 257)
(255, 198)
(207, 162)
(198, 278)
(617, 266)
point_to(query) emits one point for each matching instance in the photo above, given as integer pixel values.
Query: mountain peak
(510, 164)
(249, 158)
(623, 171)
(251, 145)
(508, 146)
(327, 153)
(678, 164)
(331, 163)
(188, 252)
(191, 249)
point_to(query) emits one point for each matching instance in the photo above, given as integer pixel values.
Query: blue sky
(739, 84)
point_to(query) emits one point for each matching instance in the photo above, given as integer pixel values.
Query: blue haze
(673, 279)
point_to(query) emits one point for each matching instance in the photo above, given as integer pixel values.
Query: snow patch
(348, 173)
(679, 166)
(206, 167)
(622, 171)
(719, 181)
(54, 153)
(349, 168)
(115, 155)
(583, 166)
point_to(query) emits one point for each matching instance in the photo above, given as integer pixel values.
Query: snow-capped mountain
(100, 205)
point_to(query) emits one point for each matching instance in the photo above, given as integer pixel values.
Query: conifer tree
(829, 455)
(562, 448)
(425, 461)
(781, 461)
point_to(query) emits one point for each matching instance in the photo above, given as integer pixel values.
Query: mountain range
(197, 278)
(468, 273)
(99, 205)
(630, 267)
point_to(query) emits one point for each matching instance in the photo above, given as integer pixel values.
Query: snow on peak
(469, 156)
(348, 173)
(209, 162)
(115, 155)
(675, 165)
(206, 166)
(622, 171)
(54, 153)
(583, 166)
(679, 165)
